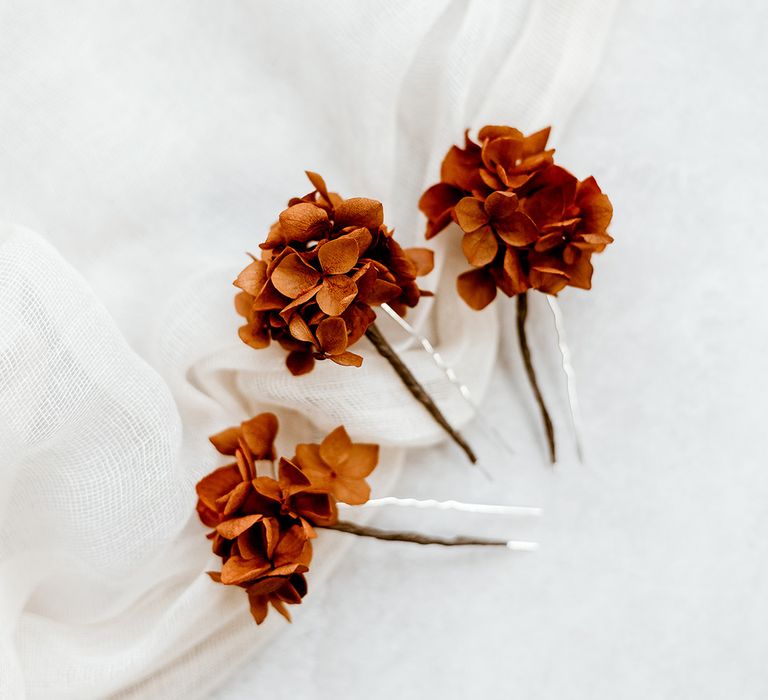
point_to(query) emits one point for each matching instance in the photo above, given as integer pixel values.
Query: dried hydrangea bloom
(263, 526)
(527, 223)
(326, 263)
(339, 466)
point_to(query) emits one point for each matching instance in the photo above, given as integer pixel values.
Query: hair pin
(325, 265)
(264, 512)
(527, 224)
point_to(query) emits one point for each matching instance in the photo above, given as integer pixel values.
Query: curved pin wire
(570, 375)
(447, 370)
(430, 503)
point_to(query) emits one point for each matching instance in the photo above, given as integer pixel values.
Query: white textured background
(149, 143)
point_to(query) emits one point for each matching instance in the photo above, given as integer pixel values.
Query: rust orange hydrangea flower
(527, 223)
(326, 263)
(263, 523)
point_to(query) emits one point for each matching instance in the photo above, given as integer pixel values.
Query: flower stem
(415, 537)
(522, 313)
(418, 392)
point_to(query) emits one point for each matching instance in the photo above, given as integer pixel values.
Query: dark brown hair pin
(527, 224)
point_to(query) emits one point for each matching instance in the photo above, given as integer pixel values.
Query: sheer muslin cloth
(144, 148)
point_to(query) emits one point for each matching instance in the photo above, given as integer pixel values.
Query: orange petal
(499, 205)
(237, 570)
(362, 460)
(300, 330)
(471, 214)
(236, 497)
(438, 199)
(351, 491)
(423, 259)
(255, 336)
(226, 441)
(347, 359)
(480, 247)
(503, 151)
(477, 288)
(492, 131)
(336, 294)
(259, 607)
(217, 484)
(517, 230)
(293, 276)
(268, 488)
(362, 236)
(300, 362)
(259, 434)
(536, 142)
(299, 300)
(359, 211)
(335, 448)
(271, 535)
(230, 529)
(289, 547)
(291, 477)
(511, 278)
(319, 184)
(332, 335)
(252, 278)
(304, 222)
(381, 292)
(339, 256)
(320, 508)
(460, 167)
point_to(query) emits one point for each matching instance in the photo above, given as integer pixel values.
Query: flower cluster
(528, 223)
(325, 264)
(262, 525)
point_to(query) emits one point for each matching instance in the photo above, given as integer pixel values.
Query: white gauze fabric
(145, 148)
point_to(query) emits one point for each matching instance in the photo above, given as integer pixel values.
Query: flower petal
(252, 278)
(255, 336)
(237, 570)
(291, 477)
(304, 222)
(300, 362)
(477, 288)
(259, 434)
(319, 184)
(225, 442)
(336, 294)
(230, 529)
(362, 460)
(332, 335)
(536, 142)
(480, 247)
(339, 256)
(438, 199)
(423, 259)
(517, 230)
(352, 491)
(511, 277)
(300, 330)
(293, 276)
(217, 484)
(359, 211)
(335, 448)
(347, 359)
(471, 214)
